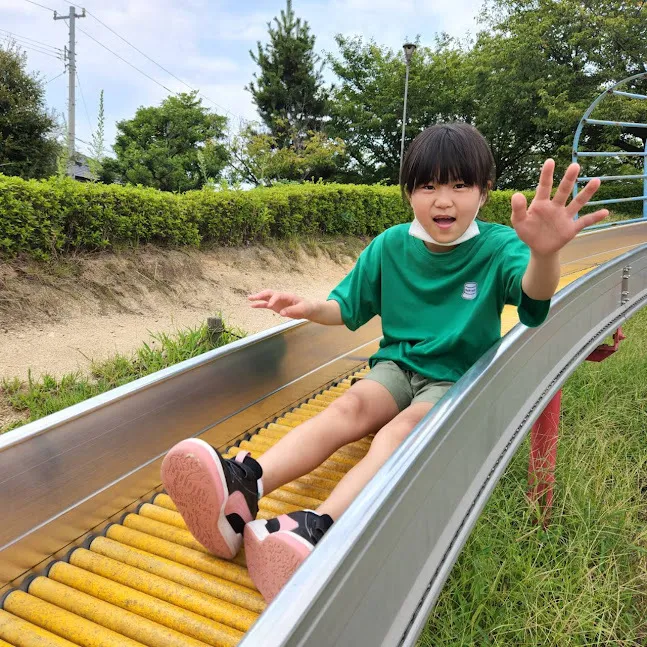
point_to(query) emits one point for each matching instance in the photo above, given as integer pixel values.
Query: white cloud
(205, 43)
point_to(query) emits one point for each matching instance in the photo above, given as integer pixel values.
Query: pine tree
(289, 91)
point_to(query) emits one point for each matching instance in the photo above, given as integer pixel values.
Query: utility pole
(71, 101)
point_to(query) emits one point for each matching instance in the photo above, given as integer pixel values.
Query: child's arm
(547, 225)
(289, 305)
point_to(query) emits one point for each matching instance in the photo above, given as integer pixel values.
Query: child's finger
(591, 219)
(545, 180)
(272, 302)
(261, 296)
(566, 185)
(519, 207)
(583, 196)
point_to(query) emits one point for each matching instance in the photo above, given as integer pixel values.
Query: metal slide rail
(71, 471)
(586, 119)
(377, 573)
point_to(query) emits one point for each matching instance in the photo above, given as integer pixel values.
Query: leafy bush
(47, 217)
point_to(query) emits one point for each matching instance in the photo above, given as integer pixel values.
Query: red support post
(543, 439)
(543, 455)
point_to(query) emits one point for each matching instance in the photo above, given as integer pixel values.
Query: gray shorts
(406, 386)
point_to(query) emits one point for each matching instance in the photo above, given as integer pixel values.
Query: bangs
(447, 153)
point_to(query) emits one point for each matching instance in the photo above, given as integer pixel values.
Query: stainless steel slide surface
(378, 571)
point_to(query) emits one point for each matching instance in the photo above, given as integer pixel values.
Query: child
(439, 285)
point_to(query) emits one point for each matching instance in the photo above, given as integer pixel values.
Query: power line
(85, 105)
(125, 61)
(9, 40)
(37, 42)
(42, 6)
(156, 63)
(55, 77)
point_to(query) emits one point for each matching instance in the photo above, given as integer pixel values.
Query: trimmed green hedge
(46, 217)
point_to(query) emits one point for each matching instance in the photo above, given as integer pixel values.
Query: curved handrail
(576, 140)
(377, 573)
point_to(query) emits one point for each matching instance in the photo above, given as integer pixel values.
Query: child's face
(445, 210)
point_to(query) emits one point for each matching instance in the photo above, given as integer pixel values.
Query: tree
(28, 147)
(159, 146)
(97, 148)
(366, 105)
(289, 91)
(257, 158)
(538, 66)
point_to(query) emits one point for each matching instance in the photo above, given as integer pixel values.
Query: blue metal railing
(586, 120)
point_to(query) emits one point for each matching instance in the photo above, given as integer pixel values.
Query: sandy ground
(58, 320)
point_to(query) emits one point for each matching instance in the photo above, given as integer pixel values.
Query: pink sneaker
(275, 548)
(215, 496)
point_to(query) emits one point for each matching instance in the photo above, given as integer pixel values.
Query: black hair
(445, 153)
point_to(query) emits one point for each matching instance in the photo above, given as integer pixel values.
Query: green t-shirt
(440, 311)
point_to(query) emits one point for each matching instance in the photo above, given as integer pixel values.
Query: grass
(38, 398)
(616, 216)
(583, 580)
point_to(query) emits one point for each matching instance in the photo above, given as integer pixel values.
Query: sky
(202, 44)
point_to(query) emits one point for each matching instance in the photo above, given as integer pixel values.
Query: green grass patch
(583, 580)
(618, 216)
(48, 394)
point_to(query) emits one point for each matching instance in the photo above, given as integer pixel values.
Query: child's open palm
(284, 303)
(547, 225)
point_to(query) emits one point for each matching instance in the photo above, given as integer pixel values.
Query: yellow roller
(104, 614)
(311, 406)
(197, 580)
(158, 587)
(163, 531)
(63, 623)
(163, 515)
(4, 644)
(262, 444)
(295, 499)
(199, 560)
(163, 613)
(277, 432)
(276, 508)
(24, 634)
(306, 490)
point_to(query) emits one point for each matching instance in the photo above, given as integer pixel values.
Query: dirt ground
(57, 318)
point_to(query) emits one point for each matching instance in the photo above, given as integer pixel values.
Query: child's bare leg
(383, 445)
(366, 407)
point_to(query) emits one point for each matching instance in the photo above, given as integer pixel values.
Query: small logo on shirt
(470, 291)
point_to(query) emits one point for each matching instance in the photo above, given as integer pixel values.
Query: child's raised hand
(547, 225)
(283, 303)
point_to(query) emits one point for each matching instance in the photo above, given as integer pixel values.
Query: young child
(439, 285)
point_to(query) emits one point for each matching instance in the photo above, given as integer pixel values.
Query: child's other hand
(547, 225)
(283, 303)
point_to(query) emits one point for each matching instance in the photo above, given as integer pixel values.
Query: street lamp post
(409, 49)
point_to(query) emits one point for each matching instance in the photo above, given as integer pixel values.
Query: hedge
(45, 217)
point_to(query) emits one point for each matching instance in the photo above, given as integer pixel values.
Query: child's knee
(391, 435)
(399, 428)
(349, 407)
